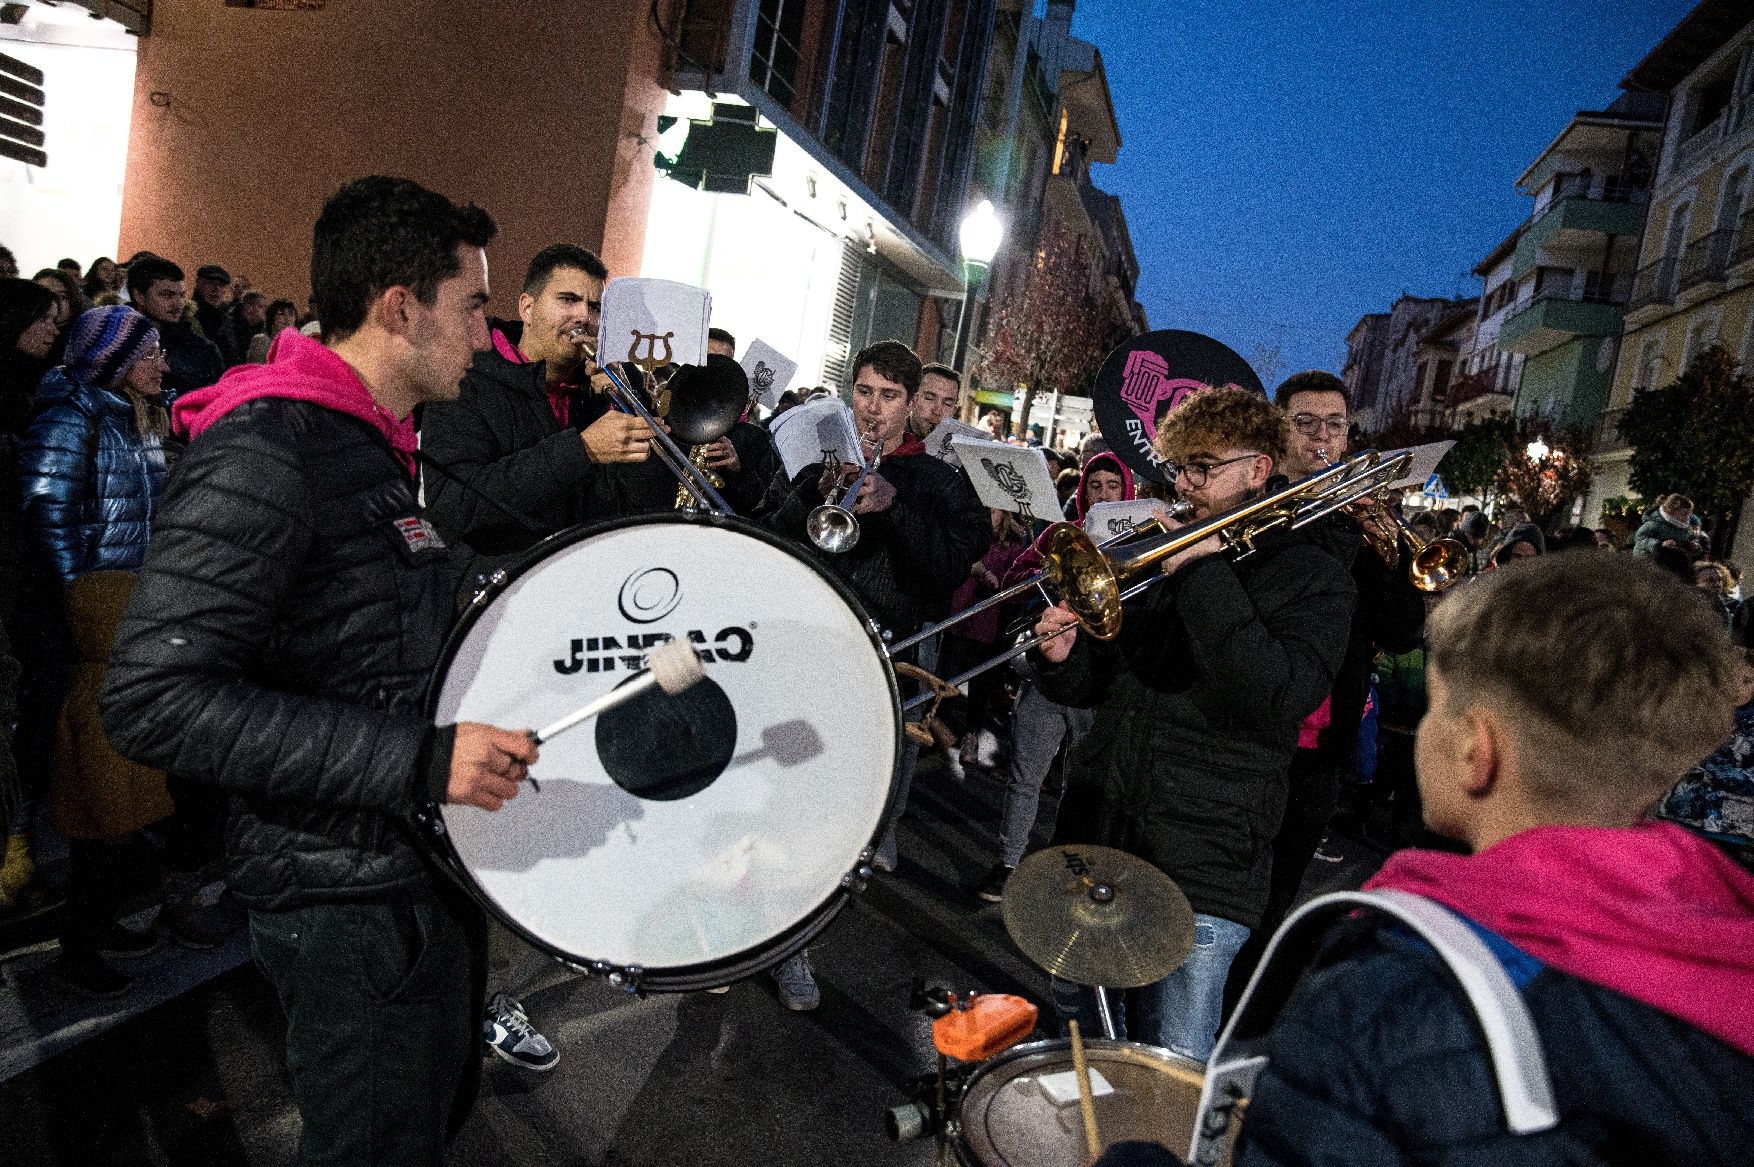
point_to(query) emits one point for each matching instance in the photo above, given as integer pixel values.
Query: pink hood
(1653, 912)
(1111, 463)
(298, 369)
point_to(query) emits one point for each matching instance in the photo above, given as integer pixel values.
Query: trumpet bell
(834, 529)
(1439, 564)
(1082, 576)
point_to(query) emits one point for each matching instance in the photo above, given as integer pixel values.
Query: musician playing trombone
(525, 448)
(921, 528)
(1197, 704)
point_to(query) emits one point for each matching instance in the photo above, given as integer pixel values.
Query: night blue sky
(1287, 167)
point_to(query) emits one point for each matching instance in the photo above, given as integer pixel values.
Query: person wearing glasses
(1389, 617)
(1197, 706)
(92, 472)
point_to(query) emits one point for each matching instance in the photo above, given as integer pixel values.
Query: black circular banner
(1147, 377)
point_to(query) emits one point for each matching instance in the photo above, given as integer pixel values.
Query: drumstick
(672, 668)
(1086, 1104)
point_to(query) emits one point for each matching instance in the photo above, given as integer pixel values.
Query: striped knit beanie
(104, 343)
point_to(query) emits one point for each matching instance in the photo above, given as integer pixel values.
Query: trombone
(688, 476)
(1095, 581)
(692, 479)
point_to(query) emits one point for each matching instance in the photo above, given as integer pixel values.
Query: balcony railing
(1700, 141)
(1654, 284)
(1742, 250)
(1599, 187)
(1705, 259)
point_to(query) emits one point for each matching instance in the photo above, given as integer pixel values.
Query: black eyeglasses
(1309, 425)
(1195, 474)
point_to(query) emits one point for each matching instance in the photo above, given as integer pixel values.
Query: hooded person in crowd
(92, 467)
(1039, 727)
(1672, 523)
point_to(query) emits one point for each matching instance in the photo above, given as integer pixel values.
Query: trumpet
(1436, 564)
(1095, 581)
(833, 527)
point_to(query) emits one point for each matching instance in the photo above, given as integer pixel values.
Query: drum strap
(427, 461)
(1512, 1043)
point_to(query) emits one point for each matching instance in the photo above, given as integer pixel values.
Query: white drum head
(694, 869)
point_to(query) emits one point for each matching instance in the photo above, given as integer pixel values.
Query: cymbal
(1098, 916)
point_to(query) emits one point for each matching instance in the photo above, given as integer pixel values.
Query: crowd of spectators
(91, 362)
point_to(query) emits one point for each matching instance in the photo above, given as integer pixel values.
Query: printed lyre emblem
(651, 360)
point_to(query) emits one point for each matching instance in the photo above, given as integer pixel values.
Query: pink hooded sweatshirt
(298, 369)
(1653, 912)
(1029, 563)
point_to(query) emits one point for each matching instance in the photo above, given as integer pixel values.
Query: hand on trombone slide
(618, 437)
(1058, 629)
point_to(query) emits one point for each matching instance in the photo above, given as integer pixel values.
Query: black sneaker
(992, 887)
(195, 925)
(507, 1031)
(90, 975)
(125, 942)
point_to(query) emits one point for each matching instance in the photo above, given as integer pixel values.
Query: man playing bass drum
(921, 528)
(1197, 706)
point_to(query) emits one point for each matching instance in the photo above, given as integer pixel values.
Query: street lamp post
(979, 239)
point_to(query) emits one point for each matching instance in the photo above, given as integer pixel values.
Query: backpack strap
(1512, 1044)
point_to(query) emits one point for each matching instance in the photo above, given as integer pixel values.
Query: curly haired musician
(1198, 703)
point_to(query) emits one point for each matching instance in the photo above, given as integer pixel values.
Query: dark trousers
(383, 1024)
(966, 715)
(1315, 792)
(98, 872)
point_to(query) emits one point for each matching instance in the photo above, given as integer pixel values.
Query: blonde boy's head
(1584, 685)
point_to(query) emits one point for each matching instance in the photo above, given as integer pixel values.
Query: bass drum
(675, 842)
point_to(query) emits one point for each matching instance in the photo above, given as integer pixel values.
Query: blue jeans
(1181, 1012)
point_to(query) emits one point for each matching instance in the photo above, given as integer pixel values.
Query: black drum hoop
(682, 978)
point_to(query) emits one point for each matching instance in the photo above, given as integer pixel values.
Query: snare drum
(1007, 1116)
(681, 842)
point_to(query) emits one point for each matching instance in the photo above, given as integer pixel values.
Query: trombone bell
(1085, 578)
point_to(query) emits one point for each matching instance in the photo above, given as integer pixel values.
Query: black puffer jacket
(195, 362)
(1378, 1060)
(910, 558)
(278, 646)
(1390, 617)
(1197, 707)
(500, 437)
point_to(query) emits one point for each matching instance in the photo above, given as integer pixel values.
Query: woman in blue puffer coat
(92, 467)
(92, 473)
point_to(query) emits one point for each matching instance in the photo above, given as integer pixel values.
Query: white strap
(1512, 1042)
